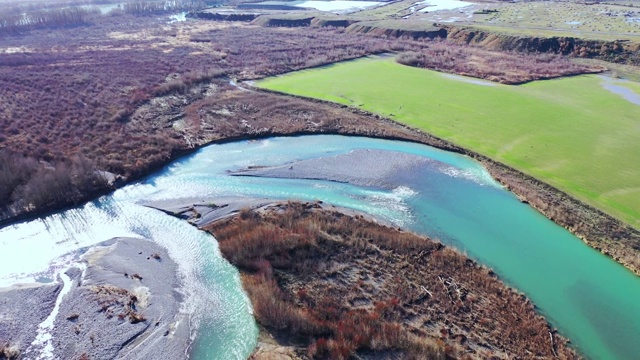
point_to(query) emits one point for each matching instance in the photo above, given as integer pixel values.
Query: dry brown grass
(77, 91)
(498, 66)
(9, 351)
(341, 285)
(114, 301)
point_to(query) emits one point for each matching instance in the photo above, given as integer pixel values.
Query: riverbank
(610, 236)
(230, 113)
(326, 285)
(121, 300)
(269, 113)
(467, 209)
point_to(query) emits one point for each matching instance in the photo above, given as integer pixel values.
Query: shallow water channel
(588, 297)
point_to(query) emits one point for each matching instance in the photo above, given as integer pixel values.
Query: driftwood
(553, 346)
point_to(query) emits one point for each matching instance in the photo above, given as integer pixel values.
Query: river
(587, 296)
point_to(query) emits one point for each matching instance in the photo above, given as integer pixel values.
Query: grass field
(570, 133)
(598, 21)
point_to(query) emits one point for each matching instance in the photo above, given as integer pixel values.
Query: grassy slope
(570, 133)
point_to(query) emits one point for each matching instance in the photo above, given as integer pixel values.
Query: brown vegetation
(254, 52)
(115, 301)
(28, 184)
(8, 351)
(502, 67)
(338, 285)
(396, 28)
(235, 113)
(65, 94)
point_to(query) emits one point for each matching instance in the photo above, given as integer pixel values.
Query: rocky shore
(202, 212)
(122, 300)
(22, 308)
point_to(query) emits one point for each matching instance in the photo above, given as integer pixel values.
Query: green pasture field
(570, 132)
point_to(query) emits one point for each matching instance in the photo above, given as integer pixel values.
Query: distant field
(600, 21)
(571, 133)
(391, 10)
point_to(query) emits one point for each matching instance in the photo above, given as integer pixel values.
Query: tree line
(15, 21)
(27, 183)
(159, 7)
(10, 23)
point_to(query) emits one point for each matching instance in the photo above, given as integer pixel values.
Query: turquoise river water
(588, 297)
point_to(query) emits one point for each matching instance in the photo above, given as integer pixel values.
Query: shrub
(9, 352)
(416, 280)
(503, 67)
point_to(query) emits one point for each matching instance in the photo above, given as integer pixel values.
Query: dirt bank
(370, 28)
(210, 14)
(269, 21)
(618, 51)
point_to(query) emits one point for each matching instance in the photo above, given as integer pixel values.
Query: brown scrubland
(64, 95)
(327, 285)
(498, 66)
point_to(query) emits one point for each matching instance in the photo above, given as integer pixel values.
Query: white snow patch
(338, 5)
(178, 17)
(435, 5)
